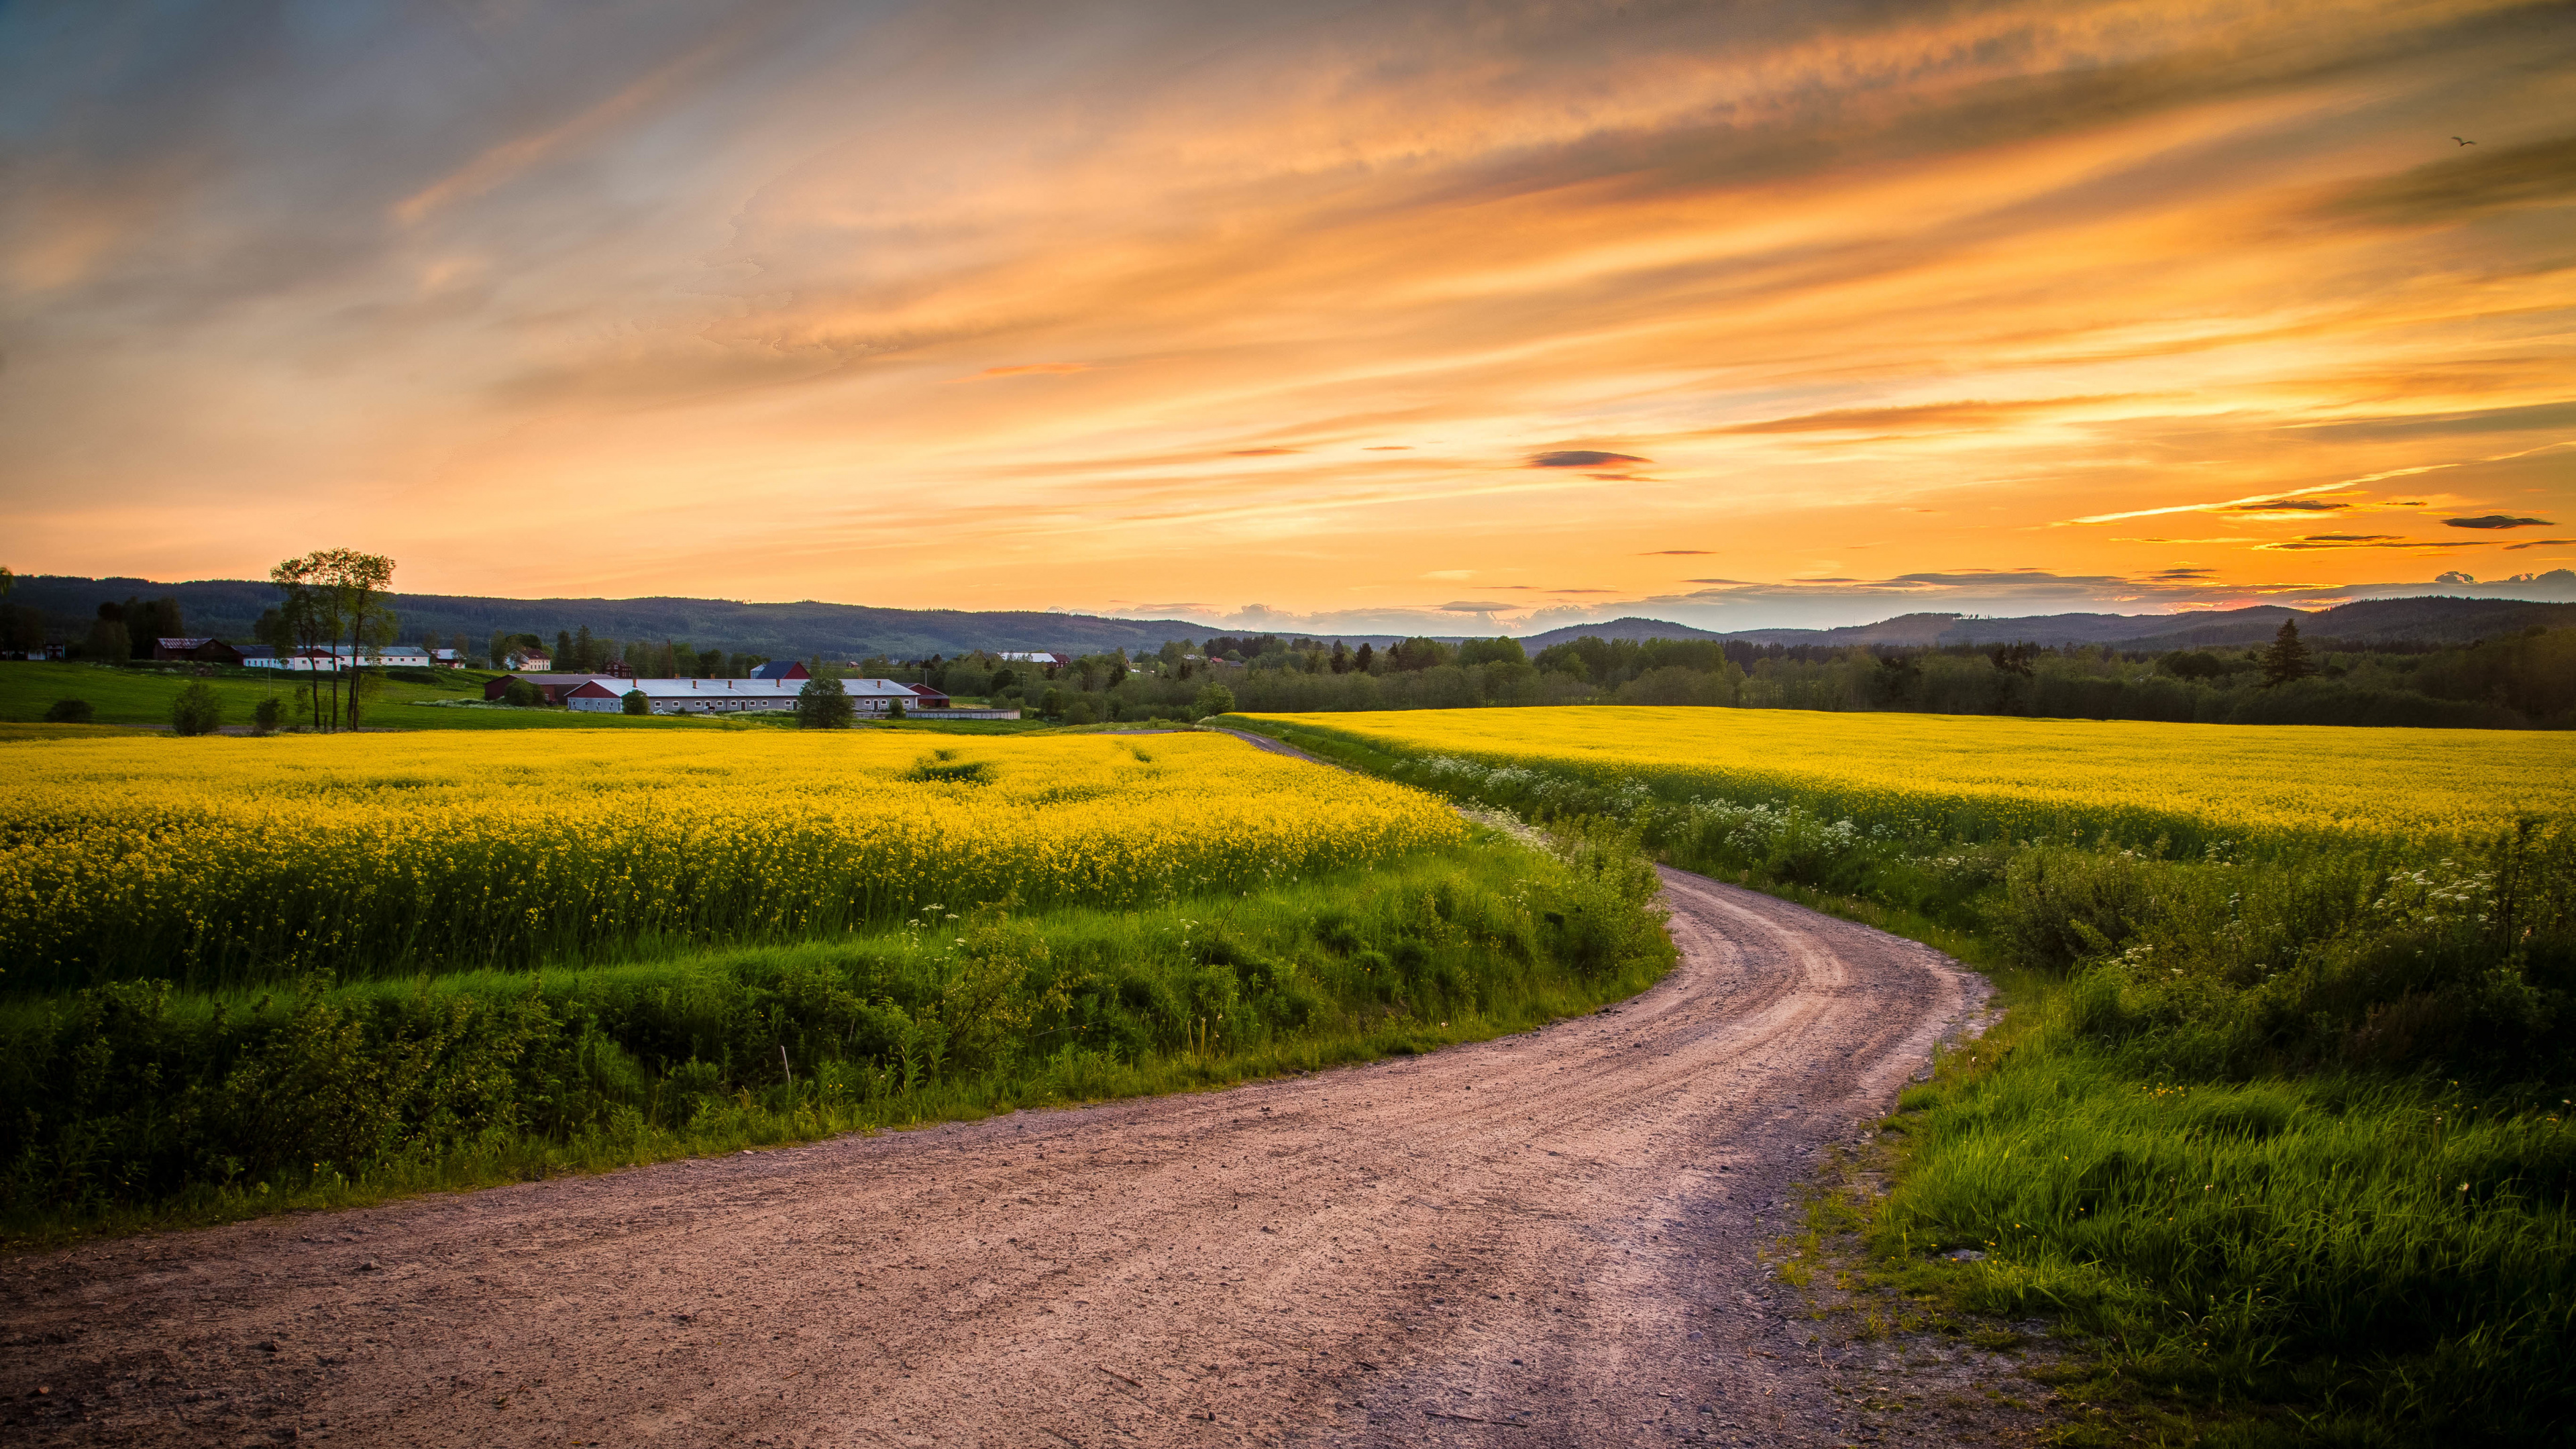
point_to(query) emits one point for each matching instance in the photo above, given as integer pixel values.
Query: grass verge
(2286, 1143)
(134, 1106)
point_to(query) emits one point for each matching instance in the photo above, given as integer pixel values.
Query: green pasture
(141, 695)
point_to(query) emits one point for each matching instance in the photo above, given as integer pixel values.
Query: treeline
(2524, 681)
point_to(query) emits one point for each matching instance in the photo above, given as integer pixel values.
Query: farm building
(927, 697)
(781, 669)
(553, 686)
(334, 658)
(726, 696)
(204, 651)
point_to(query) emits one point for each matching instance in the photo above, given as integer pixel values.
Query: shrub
(823, 705)
(68, 711)
(265, 717)
(1215, 699)
(198, 710)
(635, 702)
(520, 694)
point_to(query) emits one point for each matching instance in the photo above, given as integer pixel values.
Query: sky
(1449, 317)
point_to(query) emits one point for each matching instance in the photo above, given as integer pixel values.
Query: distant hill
(2436, 619)
(1629, 628)
(228, 607)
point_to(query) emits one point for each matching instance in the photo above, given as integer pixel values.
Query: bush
(823, 705)
(198, 710)
(1080, 713)
(522, 695)
(68, 711)
(265, 718)
(634, 701)
(1215, 699)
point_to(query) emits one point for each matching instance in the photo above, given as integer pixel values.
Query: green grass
(2287, 1143)
(140, 695)
(134, 1105)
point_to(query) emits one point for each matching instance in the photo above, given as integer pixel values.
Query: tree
(107, 640)
(2287, 659)
(2014, 658)
(265, 717)
(520, 694)
(357, 584)
(635, 702)
(198, 710)
(69, 711)
(894, 709)
(1895, 680)
(304, 619)
(823, 705)
(1366, 657)
(1341, 657)
(1215, 699)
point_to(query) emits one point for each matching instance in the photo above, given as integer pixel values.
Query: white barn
(728, 696)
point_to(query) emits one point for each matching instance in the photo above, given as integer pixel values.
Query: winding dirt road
(1546, 1239)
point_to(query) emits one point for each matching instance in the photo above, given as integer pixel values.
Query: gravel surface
(1551, 1238)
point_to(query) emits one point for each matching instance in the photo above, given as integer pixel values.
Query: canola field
(1989, 777)
(224, 861)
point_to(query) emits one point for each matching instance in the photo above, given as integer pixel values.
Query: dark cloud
(2286, 505)
(2316, 541)
(2498, 520)
(2537, 543)
(1582, 458)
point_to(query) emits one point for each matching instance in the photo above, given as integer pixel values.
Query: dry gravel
(1551, 1238)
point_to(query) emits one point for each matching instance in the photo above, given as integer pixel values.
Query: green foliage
(266, 715)
(1214, 699)
(520, 694)
(133, 1100)
(635, 702)
(198, 710)
(824, 704)
(69, 711)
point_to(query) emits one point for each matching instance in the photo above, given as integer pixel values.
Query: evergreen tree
(2287, 659)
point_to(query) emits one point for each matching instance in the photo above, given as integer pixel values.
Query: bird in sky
(2463, 140)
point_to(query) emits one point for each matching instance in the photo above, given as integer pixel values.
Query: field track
(1556, 1231)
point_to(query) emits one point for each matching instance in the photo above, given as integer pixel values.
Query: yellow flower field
(1988, 776)
(223, 859)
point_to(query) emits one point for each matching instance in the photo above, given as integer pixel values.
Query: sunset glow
(1385, 316)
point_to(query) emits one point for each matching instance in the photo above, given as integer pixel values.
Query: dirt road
(1547, 1239)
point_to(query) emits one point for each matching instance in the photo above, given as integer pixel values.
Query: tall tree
(2287, 659)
